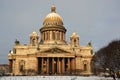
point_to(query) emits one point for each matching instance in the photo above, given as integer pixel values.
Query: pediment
(55, 50)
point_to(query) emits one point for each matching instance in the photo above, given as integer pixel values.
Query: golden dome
(53, 19)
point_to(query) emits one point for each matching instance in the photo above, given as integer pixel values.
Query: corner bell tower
(34, 38)
(74, 40)
(53, 31)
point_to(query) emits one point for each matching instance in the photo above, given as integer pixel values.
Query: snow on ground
(54, 78)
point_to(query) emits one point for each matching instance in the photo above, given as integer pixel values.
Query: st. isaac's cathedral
(49, 53)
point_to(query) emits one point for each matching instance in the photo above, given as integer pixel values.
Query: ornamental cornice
(87, 56)
(55, 55)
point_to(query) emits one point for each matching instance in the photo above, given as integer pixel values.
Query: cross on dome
(53, 8)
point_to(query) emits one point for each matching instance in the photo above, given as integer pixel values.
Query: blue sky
(97, 21)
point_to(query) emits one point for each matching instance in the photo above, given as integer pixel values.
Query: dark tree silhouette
(109, 56)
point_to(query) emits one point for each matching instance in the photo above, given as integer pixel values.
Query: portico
(56, 65)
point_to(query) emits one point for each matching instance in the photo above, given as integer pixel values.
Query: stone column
(60, 36)
(55, 35)
(41, 36)
(13, 69)
(58, 65)
(68, 65)
(88, 67)
(17, 66)
(42, 65)
(63, 36)
(37, 65)
(45, 36)
(63, 65)
(73, 65)
(50, 35)
(10, 65)
(47, 65)
(52, 65)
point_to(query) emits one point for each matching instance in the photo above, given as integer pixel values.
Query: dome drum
(53, 29)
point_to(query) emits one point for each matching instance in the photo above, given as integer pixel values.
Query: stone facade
(51, 54)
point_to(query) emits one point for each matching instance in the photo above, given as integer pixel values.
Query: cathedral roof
(53, 19)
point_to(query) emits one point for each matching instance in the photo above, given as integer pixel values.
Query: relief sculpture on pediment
(55, 50)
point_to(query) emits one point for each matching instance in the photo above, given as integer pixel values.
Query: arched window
(85, 67)
(21, 65)
(74, 42)
(33, 42)
(21, 68)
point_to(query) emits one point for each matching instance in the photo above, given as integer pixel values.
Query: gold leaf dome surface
(53, 19)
